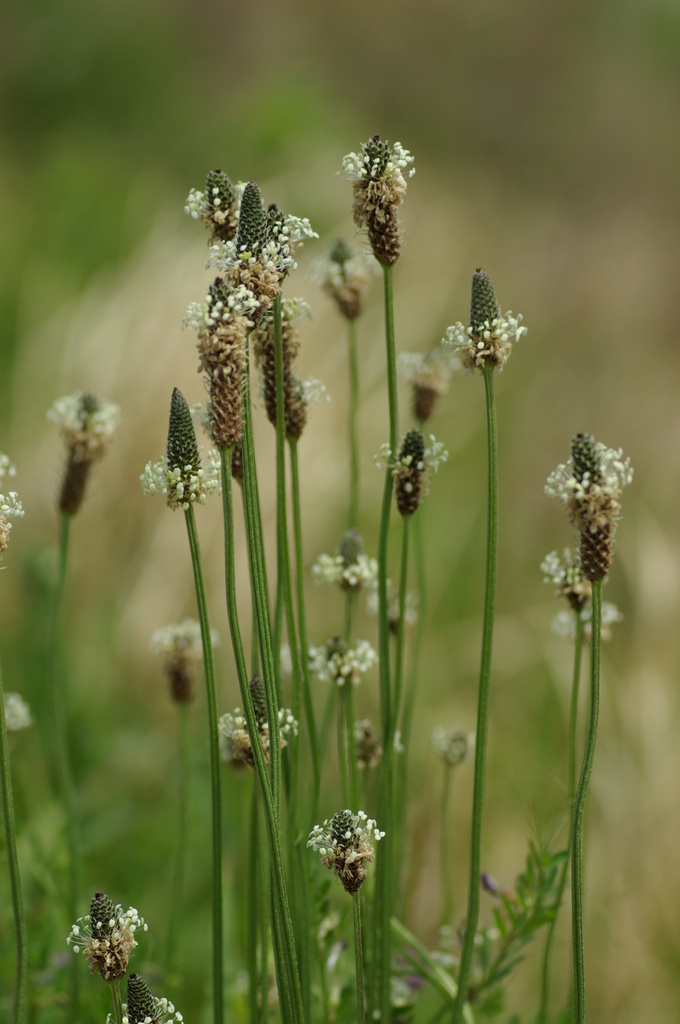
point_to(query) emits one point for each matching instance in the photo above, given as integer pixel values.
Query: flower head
(367, 744)
(264, 347)
(452, 745)
(17, 712)
(344, 275)
(10, 506)
(235, 740)
(564, 623)
(182, 651)
(590, 484)
(488, 340)
(144, 1008)
(411, 468)
(217, 206)
(429, 374)
(106, 936)
(350, 568)
(340, 664)
(565, 573)
(179, 474)
(87, 426)
(379, 188)
(346, 846)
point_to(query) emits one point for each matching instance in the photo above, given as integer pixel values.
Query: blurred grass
(547, 151)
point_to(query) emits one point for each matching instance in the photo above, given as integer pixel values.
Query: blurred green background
(547, 151)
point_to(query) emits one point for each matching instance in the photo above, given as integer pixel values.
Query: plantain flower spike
(590, 485)
(10, 505)
(106, 936)
(144, 1008)
(216, 206)
(379, 189)
(487, 342)
(182, 653)
(344, 275)
(87, 425)
(179, 475)
(346, 846)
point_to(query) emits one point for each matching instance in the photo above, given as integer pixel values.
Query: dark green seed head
(377, 154)
(141, 1005)
(219, 191)
(182, 448)
(585, 458)
(340, 252)
(253, 225)
(259, 700)
(413, 448)
(89, 404)
(351, 546)
(341, 823)
(336, 645)
(101, 912)
(484, 304)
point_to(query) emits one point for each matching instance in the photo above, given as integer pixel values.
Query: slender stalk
(288, 978)
(447, 898)
(401, 623)
(573, 731)
(117, 1002)
(254, 914)
(353, 426)
(214, 747)
(20, 971)
(358, 957)
(179, 869)
(384, 890)
(579, 808)
(64, 767)
(302, 626)
(482, 703)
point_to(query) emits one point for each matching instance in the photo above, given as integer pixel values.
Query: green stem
(20, 973)
(353, 426)
(579, 808)
(483, 703)
(254, 910)
(214, 747)
(64, 767)
(117, 1002)
(573, 732)
(259, 588)
(358, 957)
(401, 622)
(302, 625)
(447, 900)
(182, 831)
(288, 978)
(384, 888)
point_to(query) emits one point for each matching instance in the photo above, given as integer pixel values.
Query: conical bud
(341, 824)
(182, 448)
(258, 697)
(141, 1005)
(219, 191)
(253, 222)
(102, 910)
(584, 457)
(351, 546)
(484, 306)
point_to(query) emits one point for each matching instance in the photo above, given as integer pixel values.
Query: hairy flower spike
(345, 843)
(182, 447)
(141, 1006)
(566, 575)
(429, 375)
(220, 200)
(590, 484)
(87, 425)
(379, 188)
(452, 745)
(488, 340)
(340, 664)
(344, 275)
(106, 936)
(235, 741)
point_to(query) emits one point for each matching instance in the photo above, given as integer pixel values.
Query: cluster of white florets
(339, 664)
(332, 569)
(359, 166)
(71, 414)
(614, 473)
(235, 744)
(486, 344)
(182, 487)
(17, 712)
(107, 944)
(345, 843)
(564, 623)
(165, 1013)
(181, 636)
(433, 456)
(204, 316)
(410, 605)
(10, 506)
